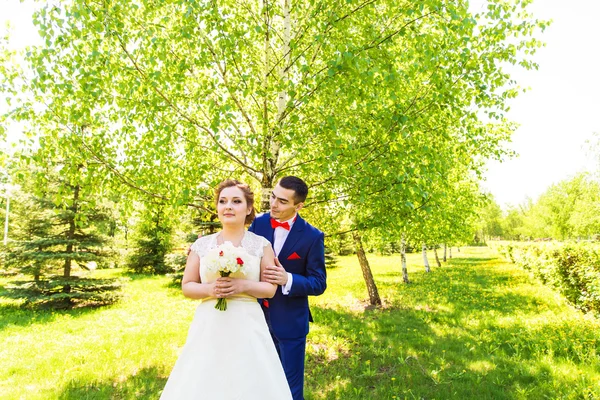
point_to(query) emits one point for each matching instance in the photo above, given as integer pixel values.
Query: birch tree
(364, 99)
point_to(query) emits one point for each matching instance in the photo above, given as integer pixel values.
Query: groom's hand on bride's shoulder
(276, 274)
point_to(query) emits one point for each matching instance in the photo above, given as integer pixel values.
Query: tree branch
(179, 111)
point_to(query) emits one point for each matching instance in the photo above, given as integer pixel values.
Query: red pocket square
(294, 256)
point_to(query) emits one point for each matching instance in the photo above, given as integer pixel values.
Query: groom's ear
(299, 206)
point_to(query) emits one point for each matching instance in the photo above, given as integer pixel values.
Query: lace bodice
(252, 244)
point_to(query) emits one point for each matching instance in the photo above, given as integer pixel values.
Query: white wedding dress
(229, 355)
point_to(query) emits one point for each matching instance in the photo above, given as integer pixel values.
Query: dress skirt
(228, 355)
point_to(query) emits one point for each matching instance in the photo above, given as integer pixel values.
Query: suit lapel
(293, 237)
(269, 233)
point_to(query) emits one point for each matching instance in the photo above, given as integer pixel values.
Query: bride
(229, 354)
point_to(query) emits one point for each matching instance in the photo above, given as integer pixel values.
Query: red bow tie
(276, 224)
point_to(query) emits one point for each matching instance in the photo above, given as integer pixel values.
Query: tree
(60, 233)
(534, 221)
(512, 223)
(556, 206)
(490, 219)
(585, 217)
(154, 240)
(55, 237)
(374, 298)
(365, 100)
(566, 210)
(183, 96)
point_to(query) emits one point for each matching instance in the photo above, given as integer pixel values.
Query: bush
(573, 269)
(578, 267)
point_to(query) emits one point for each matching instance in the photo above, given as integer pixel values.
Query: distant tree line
(569, 209)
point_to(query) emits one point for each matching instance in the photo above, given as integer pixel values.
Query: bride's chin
(230, 222)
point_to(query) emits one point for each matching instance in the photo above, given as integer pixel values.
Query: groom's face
(283, 206)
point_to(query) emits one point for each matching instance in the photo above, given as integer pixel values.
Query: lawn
(476, 328)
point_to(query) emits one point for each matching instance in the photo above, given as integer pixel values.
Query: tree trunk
(366, 270)
(403, 258)
(450, 252)
(6, 217)
(272, 143)
(269, 146)
(265, 199)
(283, 73)
(437, 259)
(71, 233)
(425, 260)
(126, 237)
(444, 252)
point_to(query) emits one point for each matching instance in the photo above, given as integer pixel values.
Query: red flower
(221, 253)
(240, 261)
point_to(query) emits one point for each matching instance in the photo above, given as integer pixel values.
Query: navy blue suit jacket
(289, 314)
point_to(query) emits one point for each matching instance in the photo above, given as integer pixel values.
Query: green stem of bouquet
(222, 302)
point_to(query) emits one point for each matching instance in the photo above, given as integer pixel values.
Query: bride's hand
(226, 286)
(213, 290)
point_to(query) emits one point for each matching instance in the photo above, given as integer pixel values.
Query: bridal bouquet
(224, 259)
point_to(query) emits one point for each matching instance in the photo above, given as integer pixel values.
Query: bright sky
(557, 116)
(562, 109)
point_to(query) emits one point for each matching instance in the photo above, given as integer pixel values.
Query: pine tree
(51, 240)
(153, 242)
(330, 259)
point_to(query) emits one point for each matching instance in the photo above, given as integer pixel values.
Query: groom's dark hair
(297, 185)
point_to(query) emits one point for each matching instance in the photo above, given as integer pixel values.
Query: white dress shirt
(279, 236)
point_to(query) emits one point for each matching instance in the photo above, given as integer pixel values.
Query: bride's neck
(233, 234)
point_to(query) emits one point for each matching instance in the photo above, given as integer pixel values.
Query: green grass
(477, 328)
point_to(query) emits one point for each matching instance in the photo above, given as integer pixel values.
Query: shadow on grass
(474, 261)
(471, 260)
(15, 314)
(146, 384)
(139, 276)
(466, 288)
(445, 341)
(413, 361)
(396, 352)
(14, 309)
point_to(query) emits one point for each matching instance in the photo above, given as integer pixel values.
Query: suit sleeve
(251, 227)
(314, 282)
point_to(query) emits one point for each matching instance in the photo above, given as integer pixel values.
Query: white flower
(225, 258)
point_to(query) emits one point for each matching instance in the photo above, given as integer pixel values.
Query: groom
(300, 272)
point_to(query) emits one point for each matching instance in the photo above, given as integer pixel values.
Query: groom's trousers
(292, 352)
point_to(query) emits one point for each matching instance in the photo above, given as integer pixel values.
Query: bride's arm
(191, 285)
(268, 258)
(261, 290)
